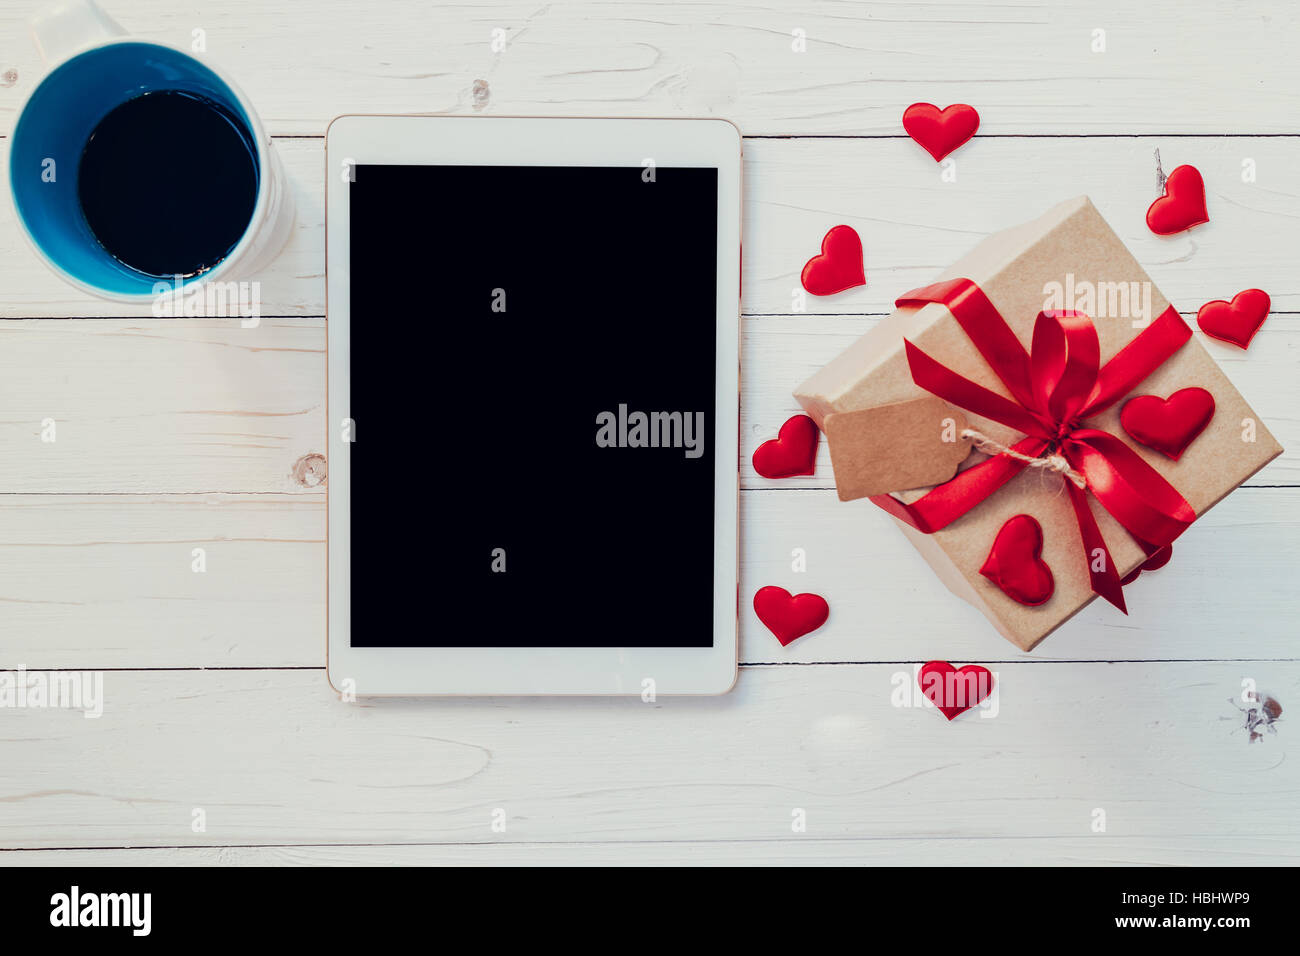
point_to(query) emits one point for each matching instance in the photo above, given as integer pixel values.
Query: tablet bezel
(533, 141)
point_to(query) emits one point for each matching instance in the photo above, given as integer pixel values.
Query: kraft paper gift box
(1069, 258)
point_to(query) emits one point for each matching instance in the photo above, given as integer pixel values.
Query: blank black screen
(479, 430)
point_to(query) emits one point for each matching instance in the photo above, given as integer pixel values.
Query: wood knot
(311, 470)
(480, 94)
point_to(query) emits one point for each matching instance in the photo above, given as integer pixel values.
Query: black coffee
(168, 182)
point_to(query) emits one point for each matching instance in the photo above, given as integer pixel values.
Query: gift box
(1013, 370)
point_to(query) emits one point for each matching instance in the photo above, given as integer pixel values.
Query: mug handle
(62, 28)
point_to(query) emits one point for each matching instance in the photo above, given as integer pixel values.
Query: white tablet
(533, 353)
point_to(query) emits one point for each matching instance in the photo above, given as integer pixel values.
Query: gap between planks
(743, 315)
(742, 664)
(774, 841)
(744, 136)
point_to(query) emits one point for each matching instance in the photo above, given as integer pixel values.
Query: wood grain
(1097, 850)
(1028, 65)
(107, 581)
(162, 405)
(203, 405)
(274, 757)
(913, 225)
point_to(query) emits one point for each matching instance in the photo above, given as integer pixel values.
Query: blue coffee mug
(98, 68)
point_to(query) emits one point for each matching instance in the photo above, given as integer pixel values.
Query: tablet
(533, 405)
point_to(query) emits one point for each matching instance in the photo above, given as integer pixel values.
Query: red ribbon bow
(1055, 386)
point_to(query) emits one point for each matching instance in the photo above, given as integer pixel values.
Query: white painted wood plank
(1219, 598)
(273, 757)
(107, 581)
(202, 405)
(1028, 65)
(912, 225)
(176, 405)
(1100, 850)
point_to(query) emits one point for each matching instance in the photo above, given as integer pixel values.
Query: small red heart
(1159, 558)
(1171, 424)
(1183, 204)
(792, 452)
(938, 131)
(839, 266)
(954, 691)
(1236, 321)
(790, 617)
(1015, 564)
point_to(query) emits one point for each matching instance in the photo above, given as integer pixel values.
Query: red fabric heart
(1171, 424)
(792, 452)
(790, 617)
(1236, 321)
(839, 266)
(938, 131)
(1183, 204)
(952, 690)
(1015, 564)
(1158, 560)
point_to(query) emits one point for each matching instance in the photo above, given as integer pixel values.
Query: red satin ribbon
(1054, 387)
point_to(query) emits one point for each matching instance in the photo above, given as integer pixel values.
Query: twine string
(1056, 463)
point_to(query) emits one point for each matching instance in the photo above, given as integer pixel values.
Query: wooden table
(176, 434)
